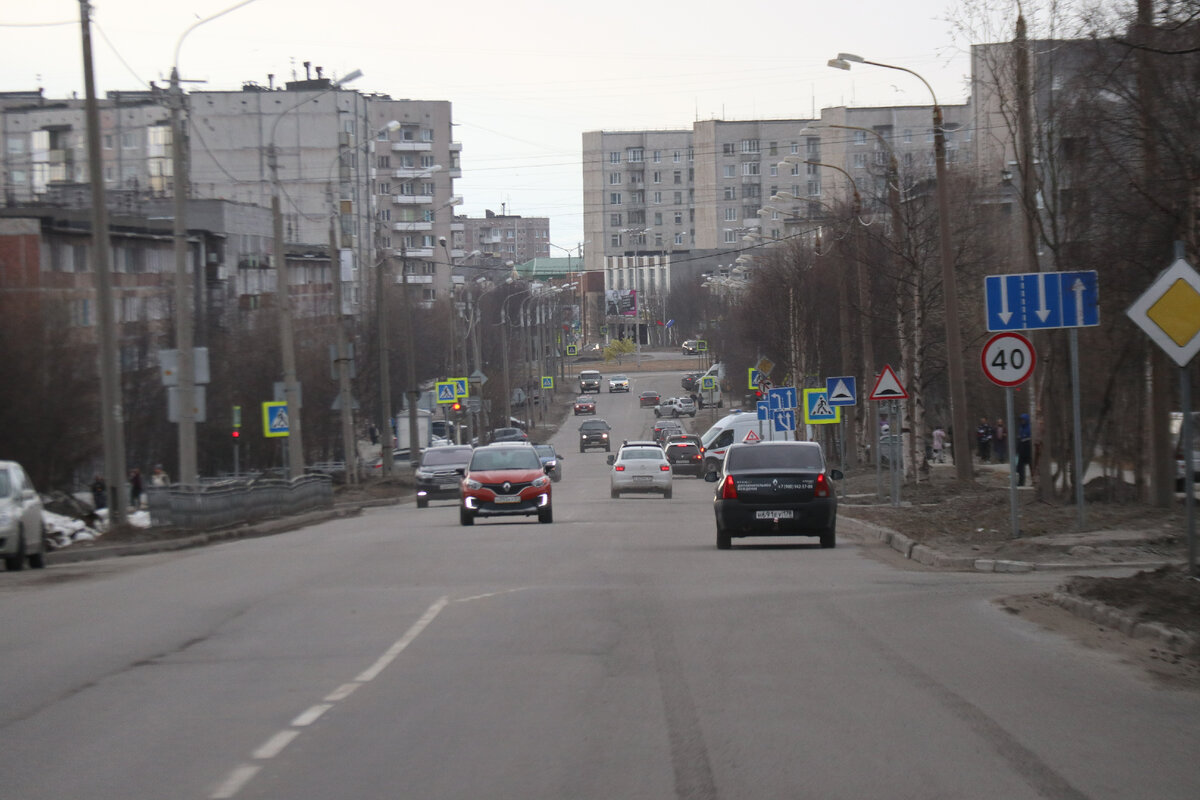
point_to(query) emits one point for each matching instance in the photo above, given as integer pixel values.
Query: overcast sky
(525, 78)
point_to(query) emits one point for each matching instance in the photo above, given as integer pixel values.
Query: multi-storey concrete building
(506, 237)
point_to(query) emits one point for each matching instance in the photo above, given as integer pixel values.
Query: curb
(76, 554)
(1173, 639)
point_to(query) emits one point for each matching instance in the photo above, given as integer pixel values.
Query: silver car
(640, 467)
(21, 525)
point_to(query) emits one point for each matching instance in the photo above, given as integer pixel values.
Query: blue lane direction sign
(842, 391)
(764, 409)
(782, 398)
(1042, 300)
(784, 419)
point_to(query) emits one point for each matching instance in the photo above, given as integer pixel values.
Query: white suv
(21, 525)
(676, 407)
(618, 383)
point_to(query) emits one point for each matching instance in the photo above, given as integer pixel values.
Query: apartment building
(505, 237)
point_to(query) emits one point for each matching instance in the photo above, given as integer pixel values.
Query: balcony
(415, 278)
(413, 172)
(456, 227)
(412, 226)
(454, 172)
(455, 147)
(412, 147)
(412, 199)
(419, 252)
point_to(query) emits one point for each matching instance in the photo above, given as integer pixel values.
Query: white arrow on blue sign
(764, 409)
(1042, 300)
(782, 397)
(842, 391)
(785, 419)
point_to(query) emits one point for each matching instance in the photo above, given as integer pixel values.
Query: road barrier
(237, 501)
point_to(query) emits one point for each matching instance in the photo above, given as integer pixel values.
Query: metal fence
(236, 501)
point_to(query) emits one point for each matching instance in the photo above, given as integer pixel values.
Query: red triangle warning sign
(751, 436)
(887, 386)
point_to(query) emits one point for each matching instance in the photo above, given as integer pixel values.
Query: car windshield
(5, 484)
(765, 455)
(596, 425)
(545, 450)
(619, 378)
(437, 456)
(505, 458)
(634, 453)
(583, 398)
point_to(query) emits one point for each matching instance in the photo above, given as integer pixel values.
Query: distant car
(585, 404)
(665, 428)
(589, 381)
(640, 467)
(618, 383)
(775, 489)
(437, 475)
(21, 524)
(676, 407)
(505, 479)
(691, 347)
(508, 435)
(594, 433)
(684, 454)
(649, 399)
(550, 458)
(690, 381)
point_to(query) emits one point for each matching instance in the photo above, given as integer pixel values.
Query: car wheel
(657, 413)
(16, 562)
(614, 494)
(608, 448)
(582, 449)
(724, 540)
(692, 415)
(712, 465)
(829, 537)
(667, 494)
(465, 517)
(38, 559)
(422, 502)
(546, 514)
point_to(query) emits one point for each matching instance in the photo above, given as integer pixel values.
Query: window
(616, 240)
(796, 168)
(427, 162)
(407, 161)
(812, 148)
(384, 188)
(676, 156)
(637, 178)
(658, 218)
(428, 188)
(730, 171)
(658, 197)
(678, 217)
(658, 240)
(614, 199)
(657, 176)
(657, 156)
(773, 148)
(795, 148)
(677, 178)
(614, 158)
(691, 154)
(385, 215)
(814, 188)
(731, 214)
(774, 170)
(426, 135)
(108, 142)
(860, 160)
(730, 237)
(128, 141)
(383, 162)
(614, 220)
(635, 155)
(614, 179)
(679, 198)
(860, 138)
(731, 193)
(908, 135)
(752, 190)
(749, 212)
(728, 149)
(679, 238)
(750, 168)
(812, 169)
(750, 146)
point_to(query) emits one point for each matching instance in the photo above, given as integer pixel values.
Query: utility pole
(345, 399)
(184, 329)
(386, 440)
(287, 343)
(112, 421)
(414, 391)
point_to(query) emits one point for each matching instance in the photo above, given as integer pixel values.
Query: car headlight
(541, 481)
(422, 475)
(471, 484)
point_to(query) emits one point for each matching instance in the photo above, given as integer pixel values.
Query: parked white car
(21, 525)
(640, 467)
(676, 407)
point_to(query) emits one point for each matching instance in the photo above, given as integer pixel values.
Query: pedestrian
(1000, 442)
(135, 488)
(1024, 449)
(373, 432)
(99, 493)
(939, 442)
(983, 440)
(160, 477)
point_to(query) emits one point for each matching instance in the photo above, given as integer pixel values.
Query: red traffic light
(237, 435)
(758, 394)
(456, 407)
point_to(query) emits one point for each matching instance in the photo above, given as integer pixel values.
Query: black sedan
(649, 399)
(437, 475)
(685, 455)
(775, 489)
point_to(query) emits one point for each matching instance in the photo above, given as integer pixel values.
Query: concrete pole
(184, 331)
(414, 391)
(295, 443)
(386, 445)
(345, 399)
(112, 414)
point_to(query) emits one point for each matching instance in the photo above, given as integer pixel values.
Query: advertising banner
(620, 302)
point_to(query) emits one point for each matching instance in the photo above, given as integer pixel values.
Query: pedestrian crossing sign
(547, 381)
(461, 388)
(445, 391)
(817, 408)
(275, 419)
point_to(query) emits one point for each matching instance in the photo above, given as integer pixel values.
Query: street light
(295, 445)
(954, 355)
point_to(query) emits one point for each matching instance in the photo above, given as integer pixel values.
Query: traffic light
(237, 435)
(758, 394)
(456, 407)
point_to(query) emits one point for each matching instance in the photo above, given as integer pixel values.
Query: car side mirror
(462, 471)
(836, 474)
(611, 460)
(548, 467)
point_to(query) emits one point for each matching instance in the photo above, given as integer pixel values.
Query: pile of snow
(64, 531)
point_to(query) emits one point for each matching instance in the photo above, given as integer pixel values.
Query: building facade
(504, 237)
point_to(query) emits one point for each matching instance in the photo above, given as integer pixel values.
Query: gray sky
(526, 78)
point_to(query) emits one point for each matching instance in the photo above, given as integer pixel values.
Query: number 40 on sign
(1008, 359)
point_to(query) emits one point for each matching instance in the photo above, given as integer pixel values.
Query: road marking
(311, 716)
(234, 783)
(274, 746)
(342, 692)
(489, 594)
(387, 658)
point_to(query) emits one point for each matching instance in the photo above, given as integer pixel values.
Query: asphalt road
(612, 654)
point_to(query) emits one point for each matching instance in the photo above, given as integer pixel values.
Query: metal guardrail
(236, 501)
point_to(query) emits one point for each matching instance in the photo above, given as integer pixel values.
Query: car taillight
(664, 467)
(728, 489)
(619, 467)
(821, 486)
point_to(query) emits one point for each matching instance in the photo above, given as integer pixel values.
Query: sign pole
(1188, 433)
(1009, 419)
(1080, 510)
(895, 437)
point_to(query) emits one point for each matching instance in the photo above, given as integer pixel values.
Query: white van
(729, 429)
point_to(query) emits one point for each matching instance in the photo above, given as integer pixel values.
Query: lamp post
(637, 237)
(287, 344)
(954, 356)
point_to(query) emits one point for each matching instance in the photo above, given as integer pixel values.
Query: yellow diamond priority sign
(1169, 312)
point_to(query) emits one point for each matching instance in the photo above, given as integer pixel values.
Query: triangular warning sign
(841, 392)
(751, 436)
(887, 386)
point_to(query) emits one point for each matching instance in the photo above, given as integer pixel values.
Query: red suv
(505, 480)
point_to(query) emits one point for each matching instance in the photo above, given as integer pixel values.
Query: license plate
(642, 478)
(781, 514)
(508, 498)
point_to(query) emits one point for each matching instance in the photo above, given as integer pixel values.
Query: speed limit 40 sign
(1008, 359)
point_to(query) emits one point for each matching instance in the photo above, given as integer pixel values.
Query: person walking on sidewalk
(983, 440)
(1024, 448)
(939, 442)
(1000, 442)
